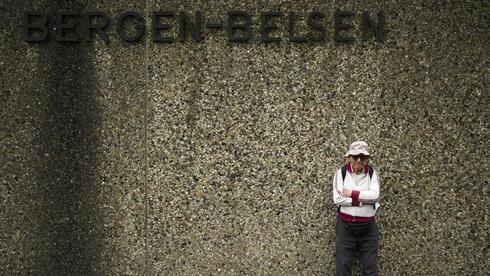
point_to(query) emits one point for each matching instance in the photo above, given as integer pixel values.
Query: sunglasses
(362, 157)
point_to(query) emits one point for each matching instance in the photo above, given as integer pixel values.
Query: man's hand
(347, 192)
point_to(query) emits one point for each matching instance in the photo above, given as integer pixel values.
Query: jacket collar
(349, 168)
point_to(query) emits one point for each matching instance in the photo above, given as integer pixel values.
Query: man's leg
(368, 247)
(345, 244)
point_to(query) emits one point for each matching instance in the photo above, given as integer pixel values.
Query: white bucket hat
(358, 147)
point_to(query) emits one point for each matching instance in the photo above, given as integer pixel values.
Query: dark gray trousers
(362, 237)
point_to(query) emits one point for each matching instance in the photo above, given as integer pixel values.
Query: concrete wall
(216, 158)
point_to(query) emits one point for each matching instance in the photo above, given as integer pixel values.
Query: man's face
(358, 162)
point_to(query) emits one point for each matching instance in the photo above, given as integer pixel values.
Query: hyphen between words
(130, 26)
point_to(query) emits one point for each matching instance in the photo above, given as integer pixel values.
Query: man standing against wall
(355, 192)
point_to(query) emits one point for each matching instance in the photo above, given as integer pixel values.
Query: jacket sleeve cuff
(355, 197)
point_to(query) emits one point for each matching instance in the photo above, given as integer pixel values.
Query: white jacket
(367, 195)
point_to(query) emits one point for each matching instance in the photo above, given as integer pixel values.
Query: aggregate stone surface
(253, 133)
(215, 157)
(72, 140)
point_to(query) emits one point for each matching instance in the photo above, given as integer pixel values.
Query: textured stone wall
(216, 158)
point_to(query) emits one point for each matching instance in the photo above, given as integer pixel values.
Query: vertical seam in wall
(146, 272)
(350, 128)
(348, 77)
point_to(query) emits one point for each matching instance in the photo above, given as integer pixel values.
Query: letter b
(234, 26)
(30, 26)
